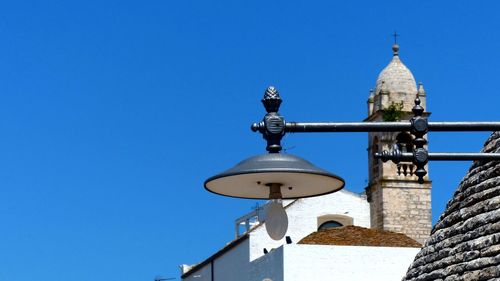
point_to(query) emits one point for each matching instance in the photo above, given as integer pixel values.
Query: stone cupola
(395, 84)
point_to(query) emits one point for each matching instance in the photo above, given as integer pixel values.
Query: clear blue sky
(112, 114)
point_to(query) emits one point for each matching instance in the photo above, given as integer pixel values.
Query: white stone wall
(346, 263)
(298, 262)
(303, 218)
(269, 266)
(230, 266)
(333, 263)
(247, 261)
(202, 274)
(234, 264)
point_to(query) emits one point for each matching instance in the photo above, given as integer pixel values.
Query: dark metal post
(419, 128)
(272, 126)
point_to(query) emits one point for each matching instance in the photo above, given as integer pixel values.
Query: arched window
(334, 220)
(330, 224)
(404, 142)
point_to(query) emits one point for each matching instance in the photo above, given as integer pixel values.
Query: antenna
(256, 207)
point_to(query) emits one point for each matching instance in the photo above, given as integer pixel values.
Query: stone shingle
(465, 242)
(359, 236)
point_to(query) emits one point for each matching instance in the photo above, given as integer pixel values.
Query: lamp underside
(251, 177)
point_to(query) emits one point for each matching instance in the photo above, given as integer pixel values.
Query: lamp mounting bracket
(273, 127)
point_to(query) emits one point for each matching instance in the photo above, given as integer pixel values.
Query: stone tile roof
(359, 236)
(465, 242)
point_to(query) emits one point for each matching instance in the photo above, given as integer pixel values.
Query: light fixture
(274, 176)
(278, 176)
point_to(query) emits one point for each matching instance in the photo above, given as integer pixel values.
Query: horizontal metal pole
(464, 156)
(464, 126)
(321, 127)
(433, 156)
(324, 127)
(406, 157)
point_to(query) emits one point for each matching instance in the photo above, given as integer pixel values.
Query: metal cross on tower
(395, 37)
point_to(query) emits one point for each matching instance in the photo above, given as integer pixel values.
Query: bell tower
(397, 201)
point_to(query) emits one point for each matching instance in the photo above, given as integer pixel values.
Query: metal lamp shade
(298, 178)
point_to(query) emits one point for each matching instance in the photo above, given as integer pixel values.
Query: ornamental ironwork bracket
(273, 127)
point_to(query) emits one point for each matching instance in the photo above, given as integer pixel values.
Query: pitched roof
(359, 236)
(465, 242)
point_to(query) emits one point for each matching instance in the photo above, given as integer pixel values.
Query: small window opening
(330, 224)
(404, 142)
(405, 145)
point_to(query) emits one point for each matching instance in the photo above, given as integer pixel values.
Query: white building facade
(254, 256)
(244, 259)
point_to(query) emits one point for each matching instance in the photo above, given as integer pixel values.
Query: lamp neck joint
(275, 190)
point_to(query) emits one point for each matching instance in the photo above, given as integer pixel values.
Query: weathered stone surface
(395, 84)
(465, 242)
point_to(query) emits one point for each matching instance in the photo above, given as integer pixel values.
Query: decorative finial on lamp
(271, 100)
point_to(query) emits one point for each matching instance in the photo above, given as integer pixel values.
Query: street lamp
(274, 176)
(278, 176)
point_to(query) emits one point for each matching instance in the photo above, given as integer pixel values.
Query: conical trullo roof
(465, 242)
